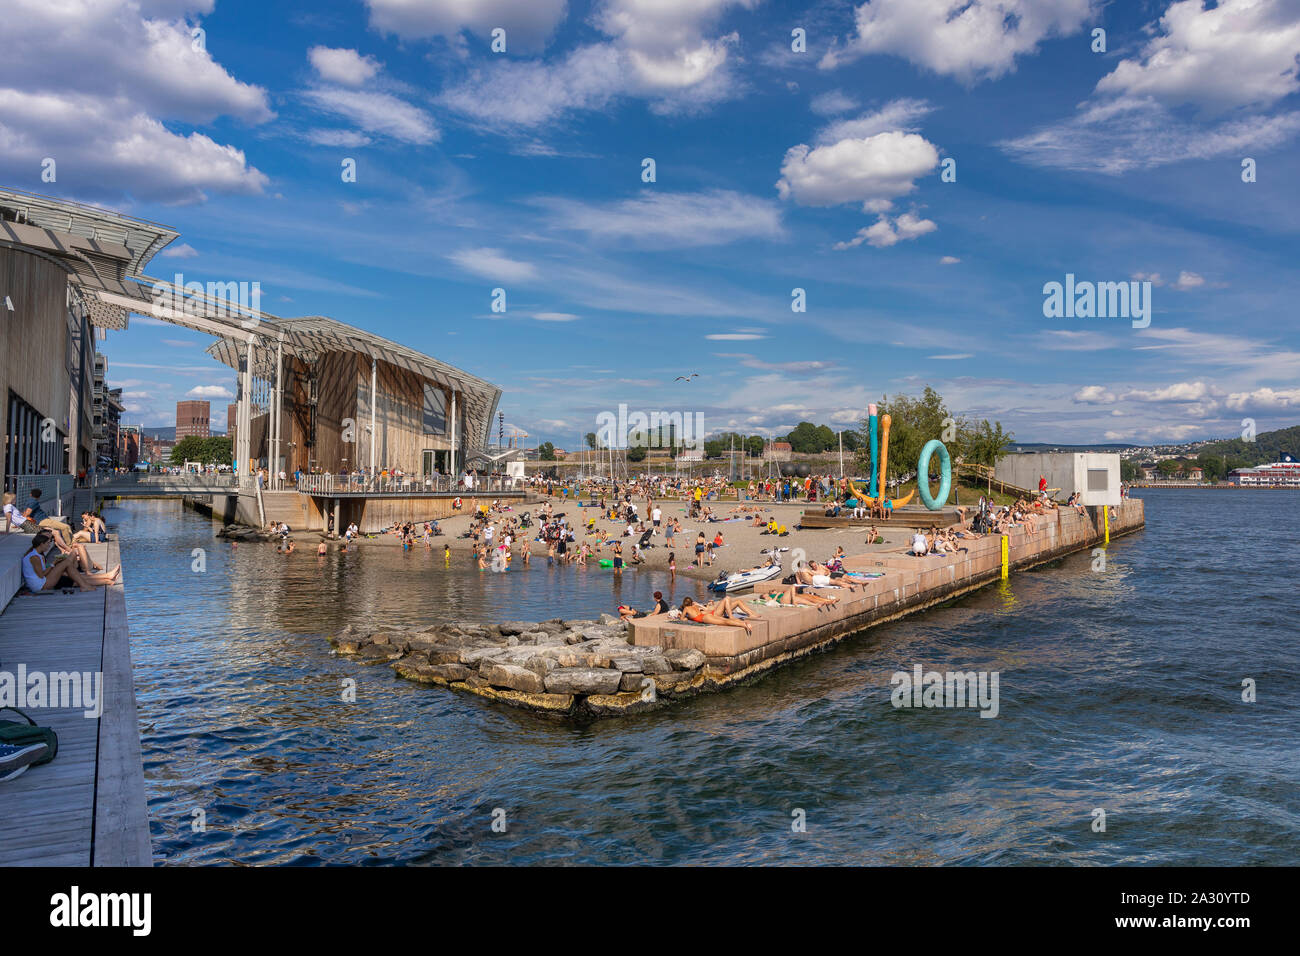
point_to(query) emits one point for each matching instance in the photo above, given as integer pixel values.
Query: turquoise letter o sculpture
(923, 474)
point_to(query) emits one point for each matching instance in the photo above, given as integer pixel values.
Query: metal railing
(344, 484)
(138, 479)
(56, 490)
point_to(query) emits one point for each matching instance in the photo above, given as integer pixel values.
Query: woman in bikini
(789, 596)
(703, 614)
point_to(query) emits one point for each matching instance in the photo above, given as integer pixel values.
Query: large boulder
(516, 627)
(512, 676)
(547, 638)
(379, 652)
(653, 664)
(635, 682)
(685, 658)
(541, 665)
(474, 656)
(451, 672)
(443, 653)
(583, 680)
(674, 682)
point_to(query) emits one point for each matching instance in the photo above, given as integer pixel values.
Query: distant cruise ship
(1280, 474)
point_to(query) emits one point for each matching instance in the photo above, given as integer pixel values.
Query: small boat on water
(738, 580)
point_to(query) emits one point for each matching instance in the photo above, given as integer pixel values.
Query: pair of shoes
(14, 760)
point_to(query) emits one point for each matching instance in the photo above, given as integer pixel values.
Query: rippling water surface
(1120, 690)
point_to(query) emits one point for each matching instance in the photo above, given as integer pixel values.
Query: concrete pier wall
(909, 584)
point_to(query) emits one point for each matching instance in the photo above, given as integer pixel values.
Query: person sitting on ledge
(660, 607)
(41, 572)
(920, 547)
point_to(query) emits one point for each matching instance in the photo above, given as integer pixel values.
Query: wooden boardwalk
(87, 807)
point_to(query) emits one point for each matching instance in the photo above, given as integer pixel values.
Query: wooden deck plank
(94, 788)
(121, 808)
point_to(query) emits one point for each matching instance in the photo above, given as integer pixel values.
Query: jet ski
(737, 580)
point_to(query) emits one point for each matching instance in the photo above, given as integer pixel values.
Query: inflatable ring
(923, 474)
(606, 563)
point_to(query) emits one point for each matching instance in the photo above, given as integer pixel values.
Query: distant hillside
(165, 432)
(1267, 446)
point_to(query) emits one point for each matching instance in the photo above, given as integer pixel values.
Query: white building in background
(1279, 474)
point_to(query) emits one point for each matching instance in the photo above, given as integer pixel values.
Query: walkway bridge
(164, 486)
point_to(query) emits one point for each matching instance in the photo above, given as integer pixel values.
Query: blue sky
(775, 170)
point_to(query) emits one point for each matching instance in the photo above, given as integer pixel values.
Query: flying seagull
(686, 378)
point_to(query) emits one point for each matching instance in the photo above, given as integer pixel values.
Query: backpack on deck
(24, 734)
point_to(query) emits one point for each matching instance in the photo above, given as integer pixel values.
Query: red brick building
(192, 419)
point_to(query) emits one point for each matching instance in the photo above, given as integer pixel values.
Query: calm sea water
(1120, 690)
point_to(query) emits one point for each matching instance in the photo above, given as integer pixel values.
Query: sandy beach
(744, 542)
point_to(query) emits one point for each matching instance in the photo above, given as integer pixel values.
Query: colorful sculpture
(923, 474)
(881, 484)
(875, 445)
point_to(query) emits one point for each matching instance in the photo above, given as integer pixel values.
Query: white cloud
(734, 336)
(343, 66)
(884, 233)
(1153, 277)
(528, 23)
(1264, 400)
(492, 265)
(1094, 395)
(1168, 433)
(1261, 361)
(899, 115)
(831, 103)
(182, 251)
(533, 93)
(210, 391)
(1228, 63)
(1115, 137)
(665, 41)
(673, 219)
(952, 358)
(1239, 53)
(554, 316)
(97, 142)
(658, 49)
(1188, 280)
(346, 138)
(751, 361)
(967, 39)
(882, 166)
(949, 261)
(380, 113)
(1178, 392)
(91, 87)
